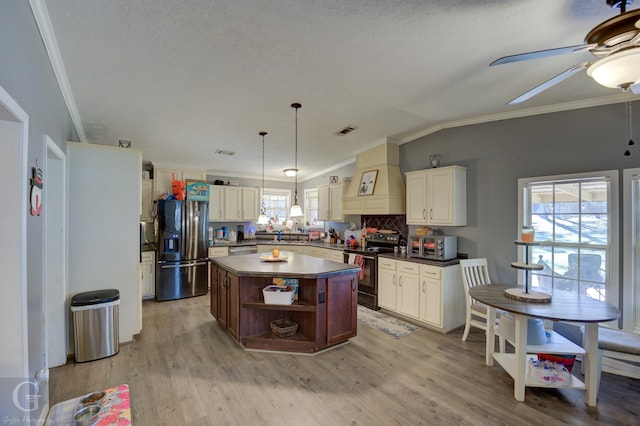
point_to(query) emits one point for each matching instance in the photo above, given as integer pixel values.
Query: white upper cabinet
(437, 196)
(216, 203)
(147, 200)
(232, 203)
(330, 202)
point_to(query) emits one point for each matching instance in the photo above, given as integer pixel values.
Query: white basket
(277, 297)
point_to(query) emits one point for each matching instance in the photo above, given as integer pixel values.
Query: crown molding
(567, 106)
(41, 15)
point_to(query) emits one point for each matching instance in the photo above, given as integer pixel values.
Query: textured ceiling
(182, 78)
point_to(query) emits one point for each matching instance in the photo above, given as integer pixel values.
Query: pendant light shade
(263, 219)
(296, 210)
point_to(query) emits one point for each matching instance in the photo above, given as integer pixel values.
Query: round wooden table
(564, 306)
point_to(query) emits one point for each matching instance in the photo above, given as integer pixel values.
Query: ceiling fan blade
(542, 54)
(549, 83)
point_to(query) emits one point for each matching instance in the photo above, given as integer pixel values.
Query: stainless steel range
(367, 258)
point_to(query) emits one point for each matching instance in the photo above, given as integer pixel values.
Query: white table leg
(592, 363)
(520, 373)
(490, 335)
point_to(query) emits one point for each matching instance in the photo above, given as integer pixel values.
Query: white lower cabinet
(148, 275)
(432, 295)
(408, 289)
(387, 283)
(337, 255)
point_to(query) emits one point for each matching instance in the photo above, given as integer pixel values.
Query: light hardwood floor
(183, 370)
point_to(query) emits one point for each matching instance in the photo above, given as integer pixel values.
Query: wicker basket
(283, 327)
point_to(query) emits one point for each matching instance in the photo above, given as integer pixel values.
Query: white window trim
(613, 284)
(282, 191)
(631, 249)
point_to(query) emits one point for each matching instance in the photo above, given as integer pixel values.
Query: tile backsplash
(396, 223)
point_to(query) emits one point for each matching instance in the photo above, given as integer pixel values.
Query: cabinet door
(233, 305)
(336, 255)
(147, 275)
(147, 199)
(216, 203)
(440, 197)
(323, 203)
(223, 298)
(232, 203)
(416, 198)
(342, 298)
(214, 288)
(447, 196)
(335, 202)
(431, 295)
(409, 294)
(250, 204)
(162, 180)
(199, 175)
(387, 288)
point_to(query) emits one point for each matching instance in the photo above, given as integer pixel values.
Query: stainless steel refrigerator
(182, 269)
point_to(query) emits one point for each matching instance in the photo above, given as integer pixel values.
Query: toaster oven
(433, 247)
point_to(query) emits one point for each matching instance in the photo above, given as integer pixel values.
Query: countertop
(297, 265)
(406, 258)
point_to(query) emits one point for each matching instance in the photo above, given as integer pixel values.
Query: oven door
(367, 280)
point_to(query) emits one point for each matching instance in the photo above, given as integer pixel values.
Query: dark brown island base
(326, 309)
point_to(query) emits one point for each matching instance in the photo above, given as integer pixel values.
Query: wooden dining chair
(475, 272)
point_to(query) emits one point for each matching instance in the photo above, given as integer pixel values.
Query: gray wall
(26, 74)
(498, 154)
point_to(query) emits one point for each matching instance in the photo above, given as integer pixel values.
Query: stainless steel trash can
(95, 324)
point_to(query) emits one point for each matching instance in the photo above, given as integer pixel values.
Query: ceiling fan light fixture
(620, 70)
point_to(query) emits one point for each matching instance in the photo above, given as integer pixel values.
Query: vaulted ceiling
(181, 79)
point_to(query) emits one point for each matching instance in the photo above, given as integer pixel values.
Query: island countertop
(297, 265)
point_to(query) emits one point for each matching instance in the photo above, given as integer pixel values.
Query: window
(311, 207)
(575, 218)
(631, 261)
(277, 203)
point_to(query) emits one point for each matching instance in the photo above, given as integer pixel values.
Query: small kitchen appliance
(433, 247)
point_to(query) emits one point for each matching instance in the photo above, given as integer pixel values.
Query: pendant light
(296, 210)
(263, 219)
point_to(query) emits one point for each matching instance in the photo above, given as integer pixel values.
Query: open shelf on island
(270, 342)
(294, 307)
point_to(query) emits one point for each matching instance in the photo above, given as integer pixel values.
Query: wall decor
(37, 182)
(368, 182)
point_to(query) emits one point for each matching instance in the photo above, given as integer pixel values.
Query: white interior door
(54, 212)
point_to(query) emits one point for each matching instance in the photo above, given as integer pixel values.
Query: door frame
(17, 333)
(54, 197)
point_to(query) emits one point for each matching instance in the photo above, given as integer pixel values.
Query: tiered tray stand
(525, 294)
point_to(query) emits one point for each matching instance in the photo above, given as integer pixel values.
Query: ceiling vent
(345, 130)
(224, 152)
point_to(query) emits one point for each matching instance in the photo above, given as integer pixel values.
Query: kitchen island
(325, 311)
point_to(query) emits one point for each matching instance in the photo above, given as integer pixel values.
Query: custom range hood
(377, 186)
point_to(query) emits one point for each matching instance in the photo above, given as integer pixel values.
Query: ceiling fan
(616, 44)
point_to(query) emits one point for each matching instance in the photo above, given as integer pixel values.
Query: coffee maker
(240, 232)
